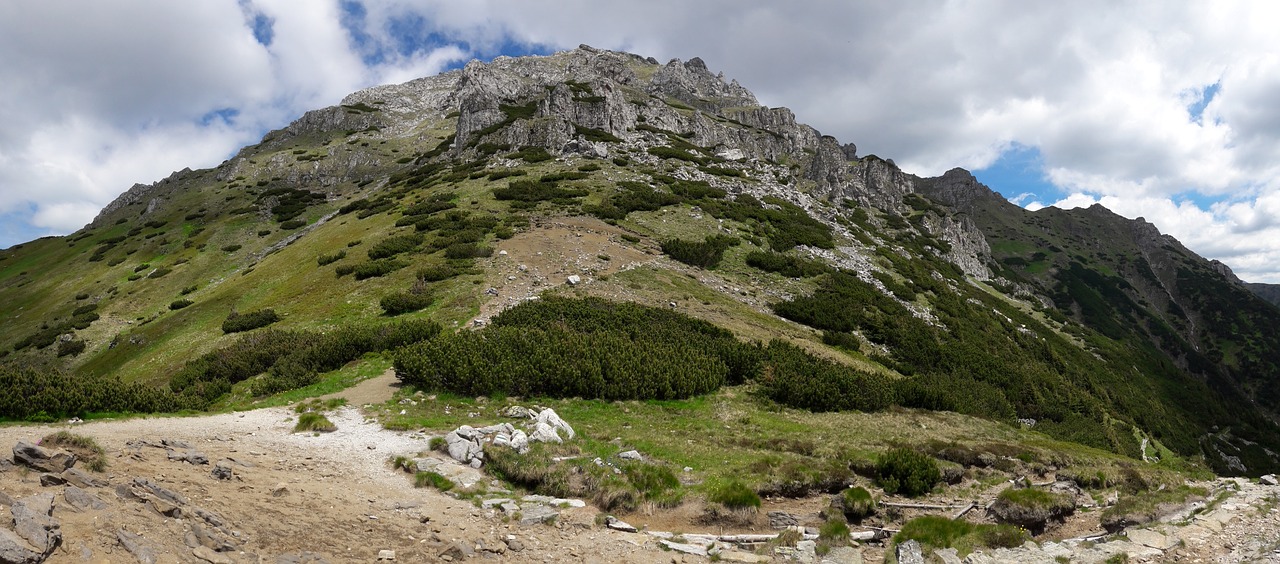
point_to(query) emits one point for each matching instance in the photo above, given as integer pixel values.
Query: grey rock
(520, 441)
(33, 521)
(47, 480)
(301, 558)
(574, 280)
(137, 546)
(458, 551)
(223, 470)
(81, 499)
(1269, 480)
(910, 553)
(843, 555)
(532, 515)
(145, 489)
(629, 455)
(550, 417)
(207, 554)
(696, 550)
(514, 544)
(16, 551)
(42, 459)
(175, 444)
(619, 525)
(5, 500)
(948, 555)
(517, 412)
(782, 520)
(83, 479)
(464, 445)
(544, 433)
(190, 455)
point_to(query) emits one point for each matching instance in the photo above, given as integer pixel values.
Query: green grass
(314, 422)
(87, 450)
(432, 479)
(939, 532)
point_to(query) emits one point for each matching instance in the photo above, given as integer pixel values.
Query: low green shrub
(734, 495)
(71, 348)
(237, 322)
(1031, 508)
(324, 260)
(231, 248)
(905, 471)
(795, 378)
(702, 254)
(405, 302)
(176, 305)
(935, 532)
(857, 504)
(394, 245)
(433, 479)
(376, 268)
(314, 422)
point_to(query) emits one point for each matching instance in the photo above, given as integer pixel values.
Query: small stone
(629, 455)
(209, 555)
(279, 490)
(619, 525)
(574, 280)
(47, 480)
(384, 555)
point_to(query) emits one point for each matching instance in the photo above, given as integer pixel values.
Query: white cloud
(1102, 90)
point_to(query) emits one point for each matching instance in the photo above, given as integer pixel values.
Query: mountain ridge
(665, 153)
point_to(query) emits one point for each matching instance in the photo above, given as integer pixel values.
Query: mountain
(594, 174)
(1269, 292)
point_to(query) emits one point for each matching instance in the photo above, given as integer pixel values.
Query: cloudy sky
(1164, 110)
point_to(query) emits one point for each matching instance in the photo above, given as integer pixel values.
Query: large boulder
(33, 521)
(548, 416)
(39, 458)
(464, 446)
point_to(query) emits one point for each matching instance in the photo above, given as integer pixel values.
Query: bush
(734, 495)
(159, 272)
(188, 290)
(87, 450)
(437, 481)
(786, 265)
(795, 378)
(857, 504)
(404, 302)
(376, 268)
(1031, 508)
(179, 304)
(704, 254)
(934, 532)
(905, 471)
(395, 245)
(70, 348)
(315, 422)
(437, 272)
(231, 248)
(237, 322)
(292, 224)
(324, 260)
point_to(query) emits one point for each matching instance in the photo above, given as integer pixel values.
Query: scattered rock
(851, 555)
(513, 544)
(137, 546)
(45, 460)
(47, 480)
(457, 551)
(386, 555)
(33, 521)
(685, 547)
(280, 489)
(13, 549)
(81, 499)
(83, 479)
(1152, 539)
(190, 456)
(782, 520)
(948, 555)
(549, 417)
(629, 455)
(910, 553)
(301, 558)
(517, 412)
(223, 470)
(574, 280)
(209, 555)
(538, 514)
(619, 525)
(1269, 480)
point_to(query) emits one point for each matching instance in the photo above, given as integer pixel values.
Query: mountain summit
(596, 175)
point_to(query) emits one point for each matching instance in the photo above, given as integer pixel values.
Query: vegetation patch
(934, 532)
(1031, 508)
(905, 471)
(237, 322)
(313, 421)
(702, 254)
(89, 453)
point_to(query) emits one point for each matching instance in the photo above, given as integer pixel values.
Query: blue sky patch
(1019, 176)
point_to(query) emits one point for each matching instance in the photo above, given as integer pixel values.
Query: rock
(457, 551)
(848, 555)
(782, 520)
(1151, 539)
(301, 558)
(81, 499)
(14, 550)
(739, 556)
(538, 514)
(47, 480)
(209, 555)
(190, 456)
(386, 555)
(137, 546)
(83, 479)
(574, 280)
(280, 489)
(464, 446)
(223, 470)
(629, 455)
(517, 412)
(685, 547)
(520, 441)
(910, 553)
(1269, 480)
(513, 544)
(5, 500)
(45, 460)
(549, 417)
(544, 433)
(619, 525)
(948, 556)
(33, 521)
(165, 508)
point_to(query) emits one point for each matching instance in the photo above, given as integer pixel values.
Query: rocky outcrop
(42, 459)
(466, 443)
